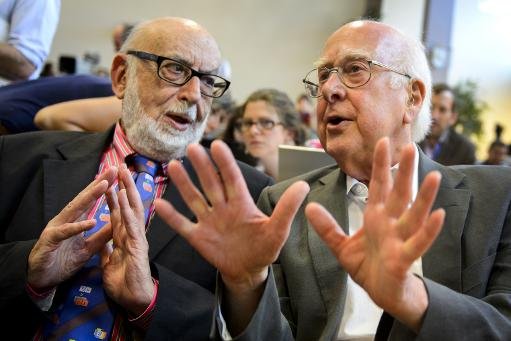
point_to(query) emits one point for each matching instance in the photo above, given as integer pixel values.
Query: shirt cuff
(143, 320)
(43, 299)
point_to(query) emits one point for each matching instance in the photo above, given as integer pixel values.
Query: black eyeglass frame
(160, 59)
(306, 82)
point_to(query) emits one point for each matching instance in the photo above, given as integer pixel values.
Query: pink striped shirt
(115, 155)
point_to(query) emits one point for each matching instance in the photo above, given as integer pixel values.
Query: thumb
(288, 205)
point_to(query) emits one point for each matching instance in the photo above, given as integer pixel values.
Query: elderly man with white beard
(102, 267)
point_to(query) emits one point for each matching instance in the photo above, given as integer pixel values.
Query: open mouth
(335, 120)
(179, 119)
(180, 122)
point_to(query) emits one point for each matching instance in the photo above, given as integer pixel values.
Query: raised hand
(231, 232)
(61, 250)
(126, 272)
(379, 256)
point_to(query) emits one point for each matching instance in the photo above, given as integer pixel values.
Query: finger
(126, 179)
(68, 230)
(208, 174)
(86, 198)
(421, 241)
(287, 206)
(401, 193)
(381, 180)
(234, 182)
(105, 253)
(422, 205)
(174, 219)
(191, 195)
(96, 241)
(115, 212)
(326, 227)
(134, 223)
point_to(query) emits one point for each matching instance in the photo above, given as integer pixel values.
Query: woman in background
(269, 120)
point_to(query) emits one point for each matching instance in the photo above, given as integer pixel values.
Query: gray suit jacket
(467, 271)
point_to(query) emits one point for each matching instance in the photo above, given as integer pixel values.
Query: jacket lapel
(64, 178)
(331, 277)
(160, 233)
(442, 262)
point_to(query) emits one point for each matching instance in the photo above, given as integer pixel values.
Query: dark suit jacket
(39, 174)
(456, 150)
(467, 271)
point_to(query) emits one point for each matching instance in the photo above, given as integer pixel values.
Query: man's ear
(118, 75)
(416, 94)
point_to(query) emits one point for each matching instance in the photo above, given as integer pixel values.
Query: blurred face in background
(215, 124)
(262, 130)
(497, 154)
(442, 115)
(307, 113)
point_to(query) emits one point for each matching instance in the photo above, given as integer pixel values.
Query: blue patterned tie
(86, 313)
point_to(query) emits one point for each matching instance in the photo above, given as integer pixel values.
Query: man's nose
(190, 91)
(333, 89)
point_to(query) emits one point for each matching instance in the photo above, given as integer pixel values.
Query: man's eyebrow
(187, 63)
(355, 55)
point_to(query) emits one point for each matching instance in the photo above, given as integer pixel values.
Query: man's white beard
(153, 138)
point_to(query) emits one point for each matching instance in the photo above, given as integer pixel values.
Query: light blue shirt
(29, 26)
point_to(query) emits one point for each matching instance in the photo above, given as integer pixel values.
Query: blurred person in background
(497, 153)
(221, 110)
(443, 144)
(84, 113)
(270, 120)
(233, 137)
(27, 28)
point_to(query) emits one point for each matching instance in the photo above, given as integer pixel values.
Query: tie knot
(142, 164)
(360, 191)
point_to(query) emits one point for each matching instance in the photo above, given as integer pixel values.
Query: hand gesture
(126, 272)
(61, 250)
(231, 232)
(379, 256)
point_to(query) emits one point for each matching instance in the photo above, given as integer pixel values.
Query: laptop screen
(296, 160)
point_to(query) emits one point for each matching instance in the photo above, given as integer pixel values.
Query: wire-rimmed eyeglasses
(353, 74)
(177, 73)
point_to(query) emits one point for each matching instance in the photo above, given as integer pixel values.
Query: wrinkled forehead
(363, 41)
(191, 45)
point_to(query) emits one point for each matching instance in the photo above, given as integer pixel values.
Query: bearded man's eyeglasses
(177, 73)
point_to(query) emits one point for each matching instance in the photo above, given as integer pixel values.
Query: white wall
(268, 43)
(481, 51)
(407, 15)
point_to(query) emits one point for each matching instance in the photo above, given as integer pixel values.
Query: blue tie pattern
(85, 313)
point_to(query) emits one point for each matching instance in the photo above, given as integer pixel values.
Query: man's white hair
(411, 59)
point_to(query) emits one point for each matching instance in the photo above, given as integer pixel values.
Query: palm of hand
(231, 232)
(58, 260)
(222, 234)
(61, 249)
(394, 234)
(376, 258)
